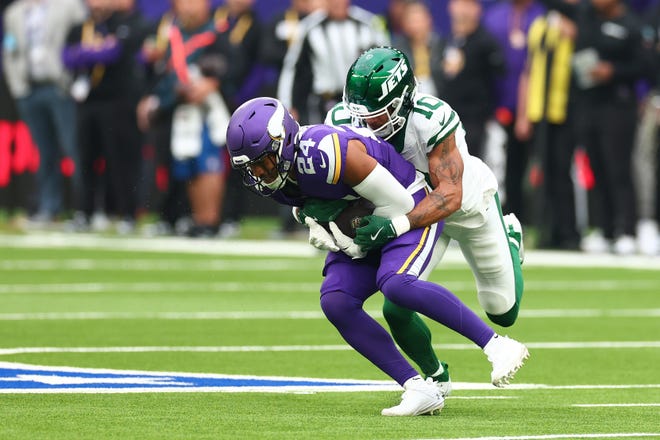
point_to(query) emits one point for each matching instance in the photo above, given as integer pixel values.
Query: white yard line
(593, 344)
(629, 286)
(308, 348)
(157, 349)
(154, 265)
(266, 248)
(301, 314)
(615, 405)
(47, 316)
(554, 436)
(166, 244)
(64, 288)
(589, 313)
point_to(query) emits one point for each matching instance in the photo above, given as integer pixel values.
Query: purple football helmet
(258, 127)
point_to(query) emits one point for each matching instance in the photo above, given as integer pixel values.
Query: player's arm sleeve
(385, 192)
(349, 163)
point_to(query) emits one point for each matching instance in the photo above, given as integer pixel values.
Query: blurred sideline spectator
(19, 158)
(546, 114)
(164, 195)
(509, 21)
(34, 35)
(89, 45)
(422, 45)
(608, 62)
(646, 157)
(18, 154)
(130, 29)
(277, 37)
(394, 17)
(472, 63)
(315, 67)
(239, 31)
(109, 80)
(191, 89)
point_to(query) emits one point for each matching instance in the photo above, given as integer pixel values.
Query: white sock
(489, 346)
(409, 382)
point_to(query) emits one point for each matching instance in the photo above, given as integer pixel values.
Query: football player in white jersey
(381, 93)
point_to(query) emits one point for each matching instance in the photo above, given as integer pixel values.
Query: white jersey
(430, 122)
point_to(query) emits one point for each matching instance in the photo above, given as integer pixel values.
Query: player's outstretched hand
(374, 232)
(319, 237)
(346, 243)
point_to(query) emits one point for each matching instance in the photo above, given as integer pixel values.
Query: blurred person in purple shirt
(102, 54)
(509, 21)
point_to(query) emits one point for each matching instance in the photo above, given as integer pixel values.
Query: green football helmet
(379, 90)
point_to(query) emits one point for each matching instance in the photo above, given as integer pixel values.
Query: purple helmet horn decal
(259, 127)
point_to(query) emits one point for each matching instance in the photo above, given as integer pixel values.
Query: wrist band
(401, 225)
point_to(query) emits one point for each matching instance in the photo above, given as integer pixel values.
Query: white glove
(346, 243)
(319, 237)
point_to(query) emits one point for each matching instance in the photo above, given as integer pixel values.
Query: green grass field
(593, 335)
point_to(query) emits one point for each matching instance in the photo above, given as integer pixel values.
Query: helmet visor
(266, 174)
(384, 122)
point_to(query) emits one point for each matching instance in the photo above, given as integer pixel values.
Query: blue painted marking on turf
(27, 377)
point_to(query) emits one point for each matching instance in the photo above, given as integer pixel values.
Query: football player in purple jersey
(289, 163)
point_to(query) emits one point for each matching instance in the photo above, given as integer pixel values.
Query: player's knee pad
(501, 306)
(495, 302)
(500, 297)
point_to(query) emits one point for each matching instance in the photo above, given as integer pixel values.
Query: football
(347, 220)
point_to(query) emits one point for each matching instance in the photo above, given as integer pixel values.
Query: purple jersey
(321, 157)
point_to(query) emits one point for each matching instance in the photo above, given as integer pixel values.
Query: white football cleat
(507, 356)
(444, 387)
(420, 397)
(442, 380)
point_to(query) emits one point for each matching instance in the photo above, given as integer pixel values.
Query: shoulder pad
(338, 115)
(433, 118)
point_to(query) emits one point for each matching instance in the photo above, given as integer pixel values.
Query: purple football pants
(395, 272)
